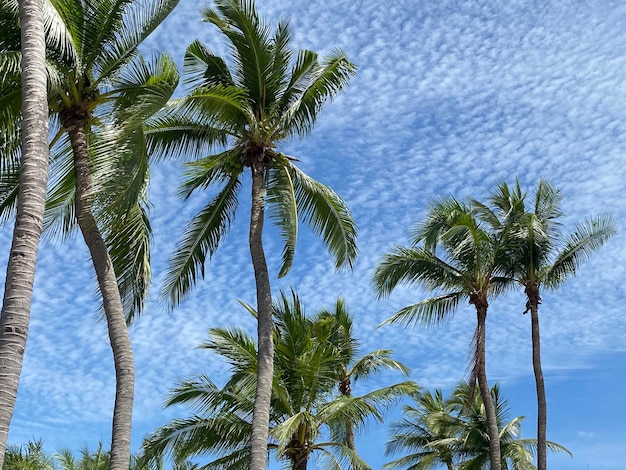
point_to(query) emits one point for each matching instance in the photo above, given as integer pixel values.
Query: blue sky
(451, 97)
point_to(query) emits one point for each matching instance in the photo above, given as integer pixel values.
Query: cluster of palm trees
(476, 251)
(110, 113)
(314, 359)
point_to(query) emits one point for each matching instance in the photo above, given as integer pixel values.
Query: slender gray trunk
(265, 370)
(485, 391)
(532, 292)
(113, 309)
(20, 277)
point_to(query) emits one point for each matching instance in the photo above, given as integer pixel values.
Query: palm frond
(201, 236)
(325, 81)
(327, 215)
(588, 237)
(203, 68)
(416, 266)
(373, 362)
(429, 312)
(283, 211)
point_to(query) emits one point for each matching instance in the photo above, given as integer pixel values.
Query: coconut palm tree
(101, 91)
(304, 407)
(337, 327)
(453, 432)
(427, 433)
(454, 254)
(20, 276)
(543, 258)
(244, 108)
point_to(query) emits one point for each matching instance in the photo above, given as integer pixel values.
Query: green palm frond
(429, 312)
(127, 236)
(588, 237)
(283, 211)
(416, 265)
(373, 362)
(201, 236)
(203, 68)
(59, 217)
(143, 88)
(221, 435)
(327, 215)
(235, 345)
(174, 134)
(202, 173)
(9, 187)
(226, 107)
(325, 82)
(251, 51)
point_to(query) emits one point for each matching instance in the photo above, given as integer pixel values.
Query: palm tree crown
(453, 432)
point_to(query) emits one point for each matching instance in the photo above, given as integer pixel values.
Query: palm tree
(27, 457)
(98, 459)
(453, 432)
(100, 93)
(543, 257)
(427, 432)
(265, 96)
(337, 325)
(461, 259)
(18, 289)
(304, 407)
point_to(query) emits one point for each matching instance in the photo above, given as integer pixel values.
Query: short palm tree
(33, 114)
(304, 407)
(453, 432)
(543, 258)
(337, 327)
(245, 108)
(101, 91)
(30, 456)
(455, 254)
(427, 433)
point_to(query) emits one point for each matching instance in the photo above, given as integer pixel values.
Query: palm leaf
(429, 312)
(588, 237)
(283, 211)
(327, 215)
(202, 236)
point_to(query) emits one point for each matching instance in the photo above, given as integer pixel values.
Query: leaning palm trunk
(113, 309)
(265, 370)
(18, 291)
(532, 293)
(485, 392)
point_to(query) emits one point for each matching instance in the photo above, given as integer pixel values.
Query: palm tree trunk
(265, 369)
(113, 309)
(532, 293)
(346, 390)
(20, 277)
(485, 392)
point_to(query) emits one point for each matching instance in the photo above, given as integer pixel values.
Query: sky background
(451, 98)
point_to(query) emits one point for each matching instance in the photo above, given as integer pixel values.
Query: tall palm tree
(100, 93)
(543, 257)
(20, 275)
(304, 407)
(452, 253)
(337, 326)
(265, 94)
(453, 432)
